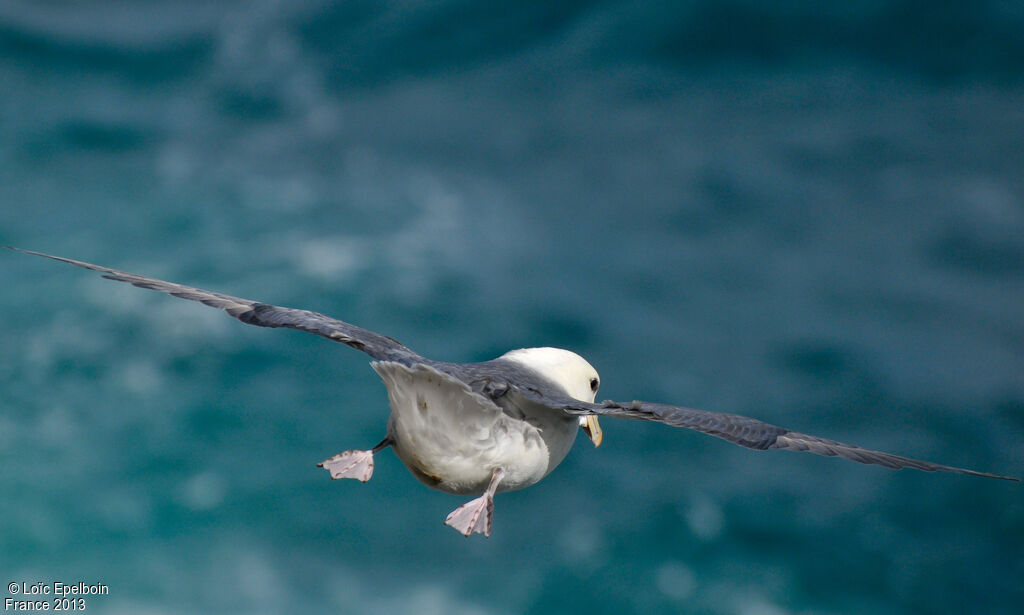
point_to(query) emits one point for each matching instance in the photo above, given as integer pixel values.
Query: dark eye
(594, 384)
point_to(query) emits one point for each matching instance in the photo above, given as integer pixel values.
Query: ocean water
(811, 215)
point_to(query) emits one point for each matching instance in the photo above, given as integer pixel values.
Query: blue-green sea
(806, 213)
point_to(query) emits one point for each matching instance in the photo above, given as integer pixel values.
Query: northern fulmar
(500, 425)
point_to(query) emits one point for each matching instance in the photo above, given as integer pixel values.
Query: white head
(566, 369)
(569, 371)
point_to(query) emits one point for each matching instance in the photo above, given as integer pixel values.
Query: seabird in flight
(500, 425)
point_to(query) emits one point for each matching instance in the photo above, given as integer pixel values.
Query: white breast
(452, 438)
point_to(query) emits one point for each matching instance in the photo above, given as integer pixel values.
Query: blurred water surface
(812, 215)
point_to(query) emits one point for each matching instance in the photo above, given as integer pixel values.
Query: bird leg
(354, 464)
(475, 516)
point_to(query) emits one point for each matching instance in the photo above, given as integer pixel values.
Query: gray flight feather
(496, 378)
(251, 312)
(755, 434)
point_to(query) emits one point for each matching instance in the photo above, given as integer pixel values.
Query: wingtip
(1009, 478)
(982, 474)
(24, 251)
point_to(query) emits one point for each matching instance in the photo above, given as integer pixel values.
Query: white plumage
(453, 439)
(498, 425)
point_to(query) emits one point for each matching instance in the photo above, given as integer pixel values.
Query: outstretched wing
(756, 434)
(378, 346)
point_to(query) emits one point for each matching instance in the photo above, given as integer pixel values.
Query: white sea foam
(204, 491)
(704, 517)
(336, 258)
(675, 580)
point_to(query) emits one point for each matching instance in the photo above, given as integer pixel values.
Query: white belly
(452, 439)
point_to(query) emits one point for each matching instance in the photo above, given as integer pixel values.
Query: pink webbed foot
(475, 516)
(353, 464)
(350, 464)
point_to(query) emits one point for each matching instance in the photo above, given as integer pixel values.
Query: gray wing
(378, 346)
(756, 434)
